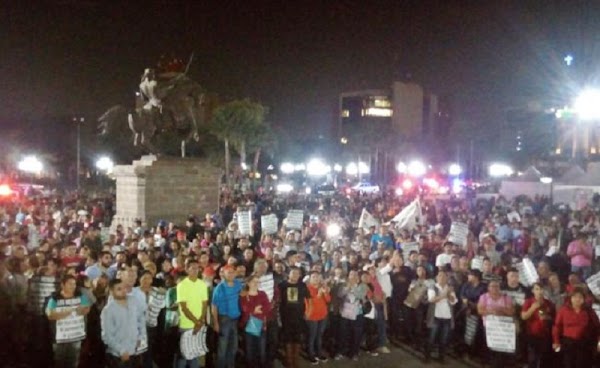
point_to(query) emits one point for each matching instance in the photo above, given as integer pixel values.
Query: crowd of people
(75, 293)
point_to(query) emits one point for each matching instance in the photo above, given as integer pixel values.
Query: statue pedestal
(165, 188)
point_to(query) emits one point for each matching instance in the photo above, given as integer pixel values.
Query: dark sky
(81, 57)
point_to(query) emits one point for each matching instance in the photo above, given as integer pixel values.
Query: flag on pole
(367, 220)
(410, 216)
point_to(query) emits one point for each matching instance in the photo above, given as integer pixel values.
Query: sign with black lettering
(500, 334)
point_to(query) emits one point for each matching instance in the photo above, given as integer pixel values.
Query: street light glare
(498, 170)
(287, 168)
(454, 170)
(417, 168)
(105, 164)
(587, 104)
(30, 164)
(316, 167)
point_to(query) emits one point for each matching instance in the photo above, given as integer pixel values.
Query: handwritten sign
(593, 283)
(156, 302)
(471, 329)
(40, 288)
(527, 273)
(268, 224)
(71, 328)
(244, 219)
(193, 346)
(477, 263)
(459, 232)
(500, 334)
(409, 247)
(295, 219)
(367, 220)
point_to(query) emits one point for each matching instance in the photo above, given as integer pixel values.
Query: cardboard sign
(268, 223)
(500, 334)
(71, 328)
(459, 232)
(193, 346)
(527, 273)
(295, 219)
(244, 220)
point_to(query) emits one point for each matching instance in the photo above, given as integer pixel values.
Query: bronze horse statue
(166, 101)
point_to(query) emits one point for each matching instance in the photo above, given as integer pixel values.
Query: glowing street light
(546, 180)
(333, 230)
(337, 168)
(30, 164)
(316, 167)
(287, 168)
(498, 170)
(353, 169)
(104, 163)
(587, 104)
(417, 168)
(401, 167)
(454, 170)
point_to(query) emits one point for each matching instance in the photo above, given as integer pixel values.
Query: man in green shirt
(192, 297)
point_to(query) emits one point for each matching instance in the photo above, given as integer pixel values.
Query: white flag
(367, 220)
(409, 217)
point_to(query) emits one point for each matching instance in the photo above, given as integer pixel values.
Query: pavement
(399, 357)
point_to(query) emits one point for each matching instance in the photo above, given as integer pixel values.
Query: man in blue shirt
(384, 237)
(225, 313)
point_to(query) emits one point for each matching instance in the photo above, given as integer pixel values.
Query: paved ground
(400, 357)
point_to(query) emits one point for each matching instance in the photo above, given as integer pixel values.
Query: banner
(500, 334)
(459, 232)
(244, 220)
(409, 217)
(40, 288)
(527, 272)
(156, 303)
(295, 219)
(268, 224)
(193, 346)
(367, 220)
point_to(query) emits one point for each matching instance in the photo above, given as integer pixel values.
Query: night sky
(81, 57)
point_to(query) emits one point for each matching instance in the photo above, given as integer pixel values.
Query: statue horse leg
(183, 148)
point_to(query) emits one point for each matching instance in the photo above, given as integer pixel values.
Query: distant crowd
(209, 293)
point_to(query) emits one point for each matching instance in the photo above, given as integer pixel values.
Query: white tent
(577, 187)
(527, 184)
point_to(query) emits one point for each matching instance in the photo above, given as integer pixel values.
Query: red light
(407, 184)
(5, 190)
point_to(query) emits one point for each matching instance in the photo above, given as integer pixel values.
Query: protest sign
(471, 329)
(244, 220)
(193, 345)
(593, 283)
(500, 334)
(409, 217)
(268, 224)
(71, 328)
(477, 263)
(367, 220)
(552, 251)
(596, 308)
(295, 219)
(142, 347)
(597, 250)
(527, 273)
(409, 247)
(459, 232)
(156, 302)
(40, 288)
(514, 216)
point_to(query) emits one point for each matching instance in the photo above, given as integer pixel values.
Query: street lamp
(587, 104)
(316, 167)
(497, 170)
(104, 163)
(417, 168)
(454, 169)
(287, 168)
(30, 164)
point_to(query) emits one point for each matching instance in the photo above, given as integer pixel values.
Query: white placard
(295, 219)
(597, 250)
(244, 220)
(514, 216)
(367, 220)
(266, 283)
(527, 273)
(409, 247)
(268, 224)
(459, 232)
(527, 210)
(193, 346)
(596, 308)
(471, 329)
(477, 263)
(500, 334)
(40, 288)
(156, 302)
(142, 347)
(71, 328)
(517, 297)
(593, 283)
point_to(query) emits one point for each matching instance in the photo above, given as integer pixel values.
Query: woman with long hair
(576, 331)
(255, 309)
(538, 314)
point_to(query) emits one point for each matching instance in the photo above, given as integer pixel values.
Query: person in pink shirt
(581, 253)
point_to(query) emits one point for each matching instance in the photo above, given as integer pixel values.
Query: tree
(241, 124)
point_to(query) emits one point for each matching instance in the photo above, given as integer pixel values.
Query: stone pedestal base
(165, 188)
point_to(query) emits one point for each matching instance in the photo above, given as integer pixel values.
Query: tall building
(412, 112)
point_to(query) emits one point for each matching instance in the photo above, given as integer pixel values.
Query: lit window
(345, 113)
(376, 111)
(382, 103)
